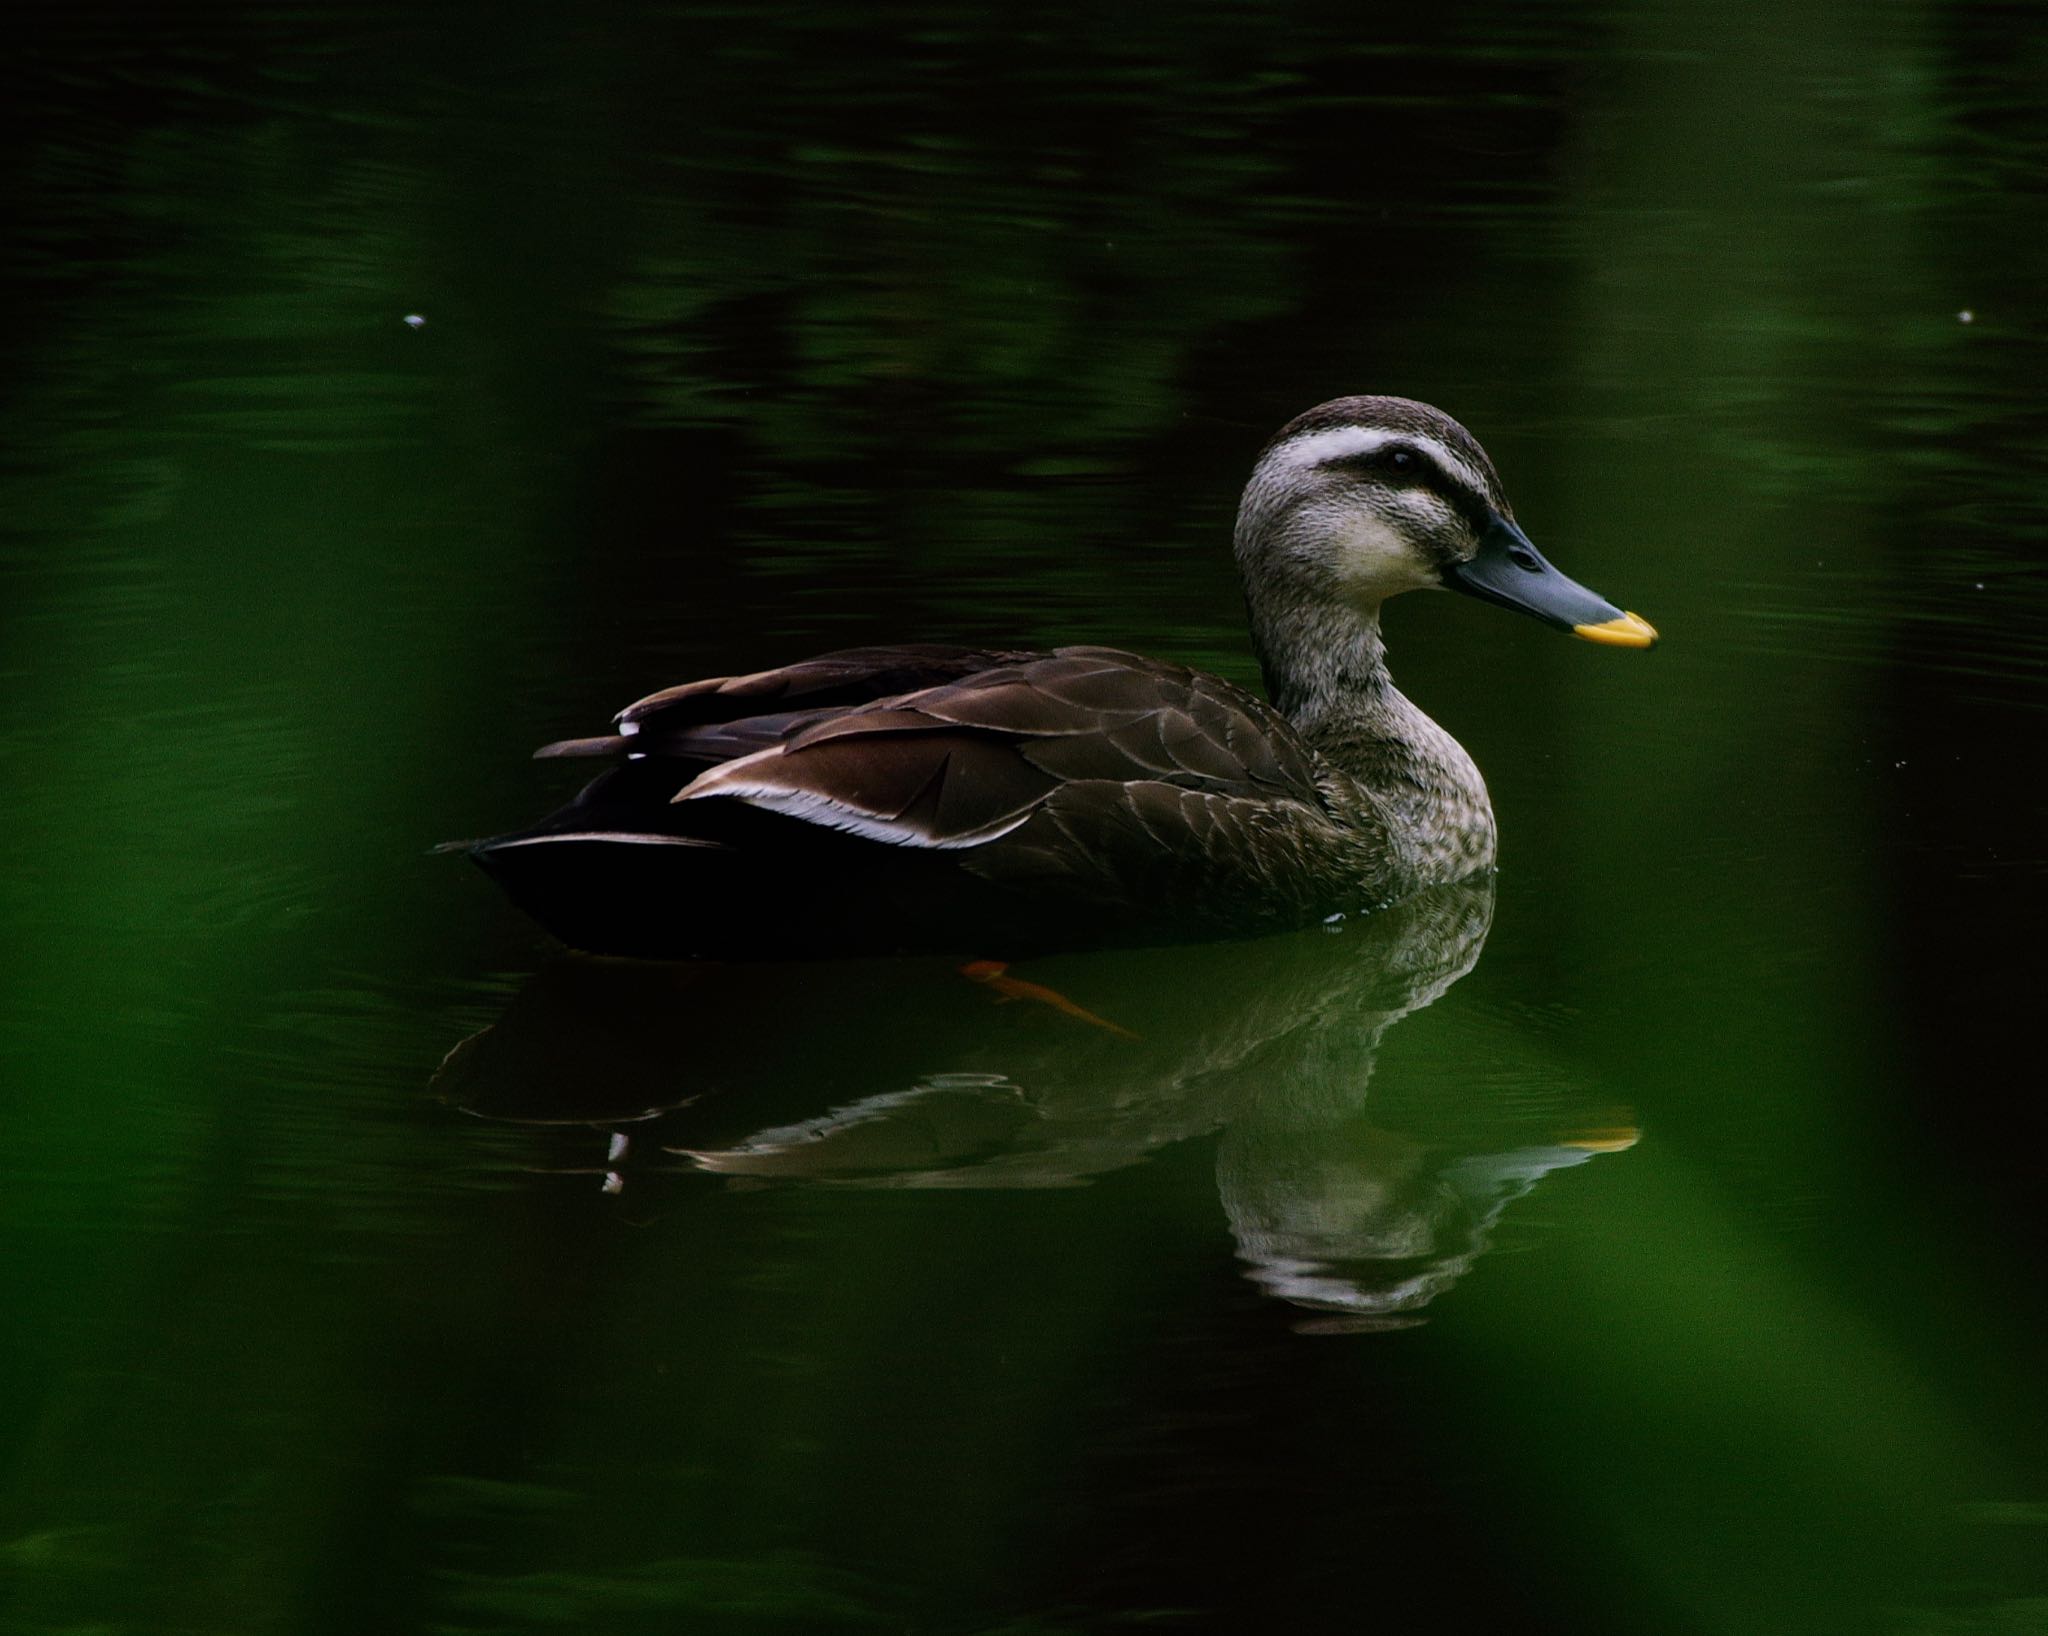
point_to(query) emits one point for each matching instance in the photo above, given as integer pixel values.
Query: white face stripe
(1339, 442)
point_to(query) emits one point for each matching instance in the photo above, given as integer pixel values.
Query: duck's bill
(1511, 573)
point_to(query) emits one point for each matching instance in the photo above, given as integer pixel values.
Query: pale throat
(1326, 670)
(1325, 664)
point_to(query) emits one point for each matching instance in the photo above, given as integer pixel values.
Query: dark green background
(755, 330)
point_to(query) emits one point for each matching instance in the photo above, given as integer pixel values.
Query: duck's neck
(1326, 671)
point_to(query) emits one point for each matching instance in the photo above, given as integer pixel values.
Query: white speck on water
(1978, 586)
(617, 1150)
(614, 1182)
(415, 320)
(1966, 317)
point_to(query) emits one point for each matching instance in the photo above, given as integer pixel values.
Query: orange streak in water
(994, 974)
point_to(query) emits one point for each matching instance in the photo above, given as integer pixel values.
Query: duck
(1002, 802)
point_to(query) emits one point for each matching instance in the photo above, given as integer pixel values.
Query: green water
(1651, 1244)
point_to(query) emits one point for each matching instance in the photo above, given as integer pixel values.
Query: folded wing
(965, 761)
(921, 798)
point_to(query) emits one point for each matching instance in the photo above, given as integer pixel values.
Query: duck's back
(972, 801)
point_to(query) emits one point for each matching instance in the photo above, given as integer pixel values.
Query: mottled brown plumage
(994, 801)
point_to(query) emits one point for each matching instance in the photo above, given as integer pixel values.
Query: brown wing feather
(1183, 862)
(840, 680)
(964, 762)
(722, 718)
(1129, 796)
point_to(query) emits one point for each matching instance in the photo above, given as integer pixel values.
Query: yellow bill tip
(1629, 631)
(1602, 1139)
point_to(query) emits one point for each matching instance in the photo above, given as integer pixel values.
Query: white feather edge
(619, 837)
(730, 780)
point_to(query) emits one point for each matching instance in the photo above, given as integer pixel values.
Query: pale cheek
(1376, 560)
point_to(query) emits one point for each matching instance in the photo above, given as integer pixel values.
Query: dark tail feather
(616, 869)
(604, 744)
(605, 890)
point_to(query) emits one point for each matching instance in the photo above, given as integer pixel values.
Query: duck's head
(1362, 498)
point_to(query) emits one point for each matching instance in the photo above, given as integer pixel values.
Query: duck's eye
(1404, 461)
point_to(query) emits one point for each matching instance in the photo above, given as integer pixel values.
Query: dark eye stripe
(1396, 461)
(1390, 459)
(1420, 472)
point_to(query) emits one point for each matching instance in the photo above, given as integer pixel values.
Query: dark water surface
(1680, 1266)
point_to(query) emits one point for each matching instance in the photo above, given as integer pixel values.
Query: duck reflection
(924, 1074)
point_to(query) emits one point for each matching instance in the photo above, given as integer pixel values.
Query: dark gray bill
(1511, 573)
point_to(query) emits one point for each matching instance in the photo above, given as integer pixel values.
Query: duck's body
(992, 802)
(952, 799)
